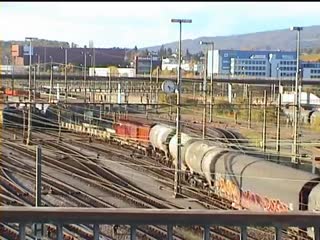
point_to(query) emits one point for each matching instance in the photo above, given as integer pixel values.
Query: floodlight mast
(295, 148)
(177, 175)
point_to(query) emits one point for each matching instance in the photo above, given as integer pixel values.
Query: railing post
(133, 232)
(169, 232)
(206, 233)
(59, 232)
(243, 233)
(22, 231)
(278, 235)
(96, 231)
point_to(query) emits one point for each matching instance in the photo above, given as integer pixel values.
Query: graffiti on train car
(248, 199)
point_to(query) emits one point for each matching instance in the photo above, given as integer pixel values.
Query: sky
(145, 24)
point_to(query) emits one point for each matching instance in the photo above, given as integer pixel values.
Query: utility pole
(204, 115)
(59, 121)
(38, 228)
(38, 175)
(264, 131)
(205, 82)
(211, 77)
(249, 107)
(51, 79)
(278, 125)
(157, 88)
(85, 76)
(34, 84)
(94, 74)
(110, 91)
(30, 69)
(194, 90)
(177, 188)
(85, 73)
(23, 125)
(65, 74)
(29, 124)
(150, 76)
(12, 73)
(38, 68)
(295, 149)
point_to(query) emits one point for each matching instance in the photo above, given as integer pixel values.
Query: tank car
(185, 141)
(313, 116)
(200, 157)
(255, 183)
(159, 137)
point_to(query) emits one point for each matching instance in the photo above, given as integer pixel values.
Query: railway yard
(103, 156)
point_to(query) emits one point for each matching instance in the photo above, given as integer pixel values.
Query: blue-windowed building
(253, 63)
(276, 64)
(311, 70)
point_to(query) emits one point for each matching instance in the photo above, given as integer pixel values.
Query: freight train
(248, 180)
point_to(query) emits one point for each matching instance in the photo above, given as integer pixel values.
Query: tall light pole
(30, 39)
(177, 189)
(29, 110)
(295, 147)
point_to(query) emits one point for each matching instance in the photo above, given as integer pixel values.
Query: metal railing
(168, 217)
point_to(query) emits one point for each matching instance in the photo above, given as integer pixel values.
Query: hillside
(311, 57)
(278, 39)
(6, 45)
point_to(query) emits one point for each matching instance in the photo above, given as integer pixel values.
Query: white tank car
(314, 199)
(185, 142)
(159, 135)
(201, 157)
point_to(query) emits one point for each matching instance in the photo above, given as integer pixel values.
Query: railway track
(153, 231)
(227, 233)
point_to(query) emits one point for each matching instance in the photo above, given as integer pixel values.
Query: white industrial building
(171, 64)
(14, 69)
(306, 98)
(105, 72)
